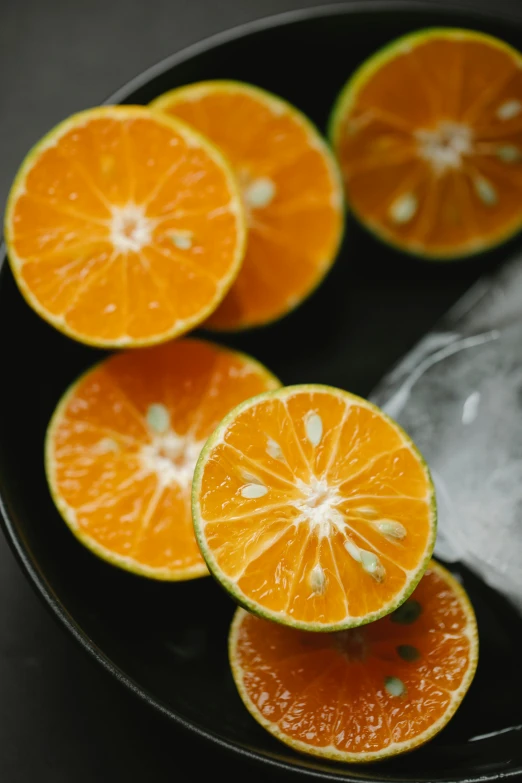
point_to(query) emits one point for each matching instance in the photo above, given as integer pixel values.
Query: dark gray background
(61, 718)
(59, 56)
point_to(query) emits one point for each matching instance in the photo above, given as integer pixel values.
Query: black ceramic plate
(168, 642)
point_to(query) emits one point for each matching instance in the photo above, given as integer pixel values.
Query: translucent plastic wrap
(458, 393)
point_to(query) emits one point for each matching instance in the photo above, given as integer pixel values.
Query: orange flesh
(284, 553)
(121, 473)
(430, 143)
(125, 231)
(293, 237)
(332, 693)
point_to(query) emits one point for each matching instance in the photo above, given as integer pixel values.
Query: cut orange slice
(124, 227)
(122, 445)
(428, 133)
(313, 509)
(367, 693)
(291, 189)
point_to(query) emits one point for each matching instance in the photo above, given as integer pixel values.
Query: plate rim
(15, 538)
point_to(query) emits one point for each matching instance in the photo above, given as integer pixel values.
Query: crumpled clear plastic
(458, 393)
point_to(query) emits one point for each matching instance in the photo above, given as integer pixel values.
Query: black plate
(168, 642)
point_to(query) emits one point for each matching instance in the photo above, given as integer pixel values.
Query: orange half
(313, 508)
(428, 133)
(367, 693)
(122, 445)
(291, 189)
(124, 227)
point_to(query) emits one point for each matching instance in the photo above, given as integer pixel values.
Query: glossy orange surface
(380, 689)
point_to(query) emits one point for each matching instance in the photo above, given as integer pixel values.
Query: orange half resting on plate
(124, 227)
(367, 693)
(313, 508)
(291, 188)
(428, 133)
(122, 445)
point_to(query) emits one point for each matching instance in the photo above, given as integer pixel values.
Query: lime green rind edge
(127, 564)
(400, 748)
(348, 94)
(47, 141)
(231, 587)
(225, 85)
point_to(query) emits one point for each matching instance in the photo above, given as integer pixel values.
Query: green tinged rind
(345, 100)
(397, 748)
(232, 588)
(49, 140)
(126, 563)
(163, 101)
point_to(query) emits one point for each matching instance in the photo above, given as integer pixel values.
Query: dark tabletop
(63, 719)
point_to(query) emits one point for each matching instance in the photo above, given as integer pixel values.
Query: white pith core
(130, 228)
(317, 507)
(445, 146)
(172, 458)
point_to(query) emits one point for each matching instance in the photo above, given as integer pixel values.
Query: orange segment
(122, 445)
(124, 227)
(313, 508)
(362, 694)
(291, 189)
(428, 133)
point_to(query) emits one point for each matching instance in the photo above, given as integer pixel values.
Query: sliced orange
(314, 509)
(428, 133)
(124, 227)
(367, 693)
(291, 188)
(122, 445)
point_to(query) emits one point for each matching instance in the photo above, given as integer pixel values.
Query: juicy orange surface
(291, 191)
(123, 443)
(124, 227)
(314, 508)
(363, 693)
(429, 137)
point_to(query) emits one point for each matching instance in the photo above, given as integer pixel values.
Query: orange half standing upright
(313, 508)
(428, 134)
(367, 693)
(122, 445)
(291, 188)
(124, 227)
